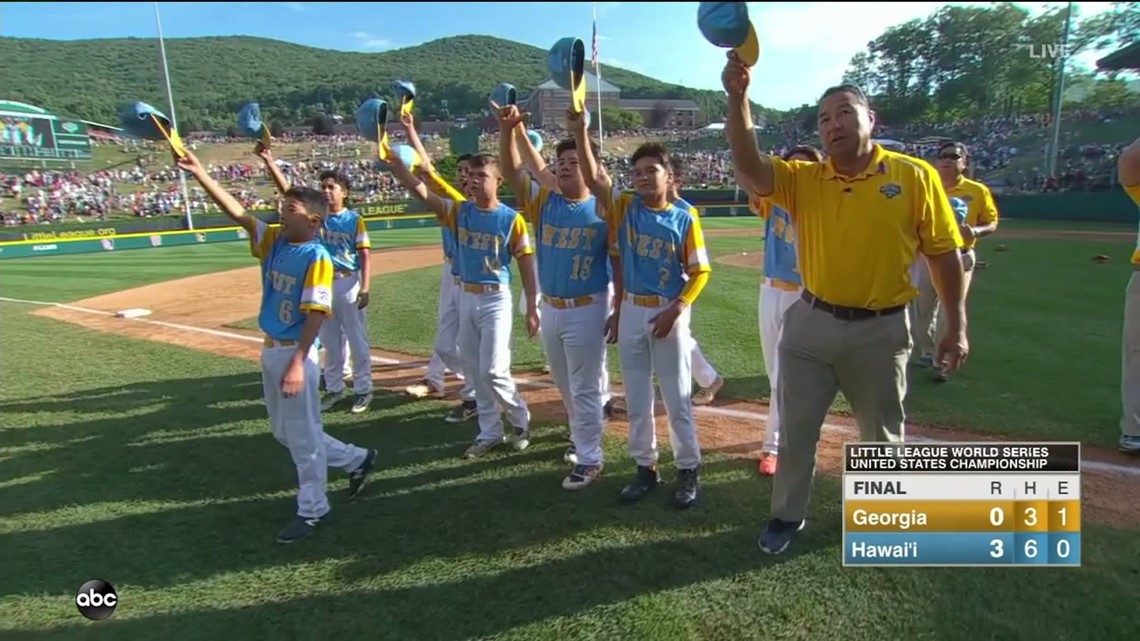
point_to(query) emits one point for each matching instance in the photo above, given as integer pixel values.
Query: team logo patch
(890, 190)
(323, 296)
(242, 233)
(156, 241)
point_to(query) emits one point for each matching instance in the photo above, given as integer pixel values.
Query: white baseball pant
(774, 302)
(703, 371)
(926, 312)
(485, 347)
(296, 424)
(671, 359)
(446, 352)
(348, 324)
(576, 350)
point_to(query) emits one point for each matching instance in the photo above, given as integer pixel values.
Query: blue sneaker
(298, 528)
(777, 535)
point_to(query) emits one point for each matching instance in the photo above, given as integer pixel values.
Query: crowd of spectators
(149, 185)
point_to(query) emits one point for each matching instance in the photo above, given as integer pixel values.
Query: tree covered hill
(211, 77)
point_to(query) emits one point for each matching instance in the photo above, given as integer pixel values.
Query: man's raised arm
(752, 168)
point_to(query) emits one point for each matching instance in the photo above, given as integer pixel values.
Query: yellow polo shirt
(1133, 192)
(858, 236)
(982, 210)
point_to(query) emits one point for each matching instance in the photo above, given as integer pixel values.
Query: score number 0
(997, 549)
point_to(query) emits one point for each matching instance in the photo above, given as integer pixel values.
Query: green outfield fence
(1105, 207)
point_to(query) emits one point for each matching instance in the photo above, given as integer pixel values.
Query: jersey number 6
(285, 312)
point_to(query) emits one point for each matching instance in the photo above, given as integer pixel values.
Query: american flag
(594, 56)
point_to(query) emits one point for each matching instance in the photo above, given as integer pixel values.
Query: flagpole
(173, 118)
(598, 79)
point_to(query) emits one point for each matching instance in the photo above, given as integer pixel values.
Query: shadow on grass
(199, 436)
(508, 503)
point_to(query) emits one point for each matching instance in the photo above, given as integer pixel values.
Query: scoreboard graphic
(962, 504)
(29, 132)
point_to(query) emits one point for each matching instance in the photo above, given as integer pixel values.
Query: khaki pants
(927, 315)
(1130, 366)
(821, 355)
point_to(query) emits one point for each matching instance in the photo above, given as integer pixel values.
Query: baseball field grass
(151, 466)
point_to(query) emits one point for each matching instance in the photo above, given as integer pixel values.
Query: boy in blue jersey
(780, 287)
(345, 237)
(571, 236)
(445, 352)
(661, 267)
(705, 375)
(488, 235)
(297, 296)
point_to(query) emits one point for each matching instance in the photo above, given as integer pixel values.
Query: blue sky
(805, 46)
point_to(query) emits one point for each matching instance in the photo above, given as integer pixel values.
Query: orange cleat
(767, 464)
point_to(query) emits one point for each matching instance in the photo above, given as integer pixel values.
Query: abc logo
(96, 600)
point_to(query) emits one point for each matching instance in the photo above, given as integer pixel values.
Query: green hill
(212, 77)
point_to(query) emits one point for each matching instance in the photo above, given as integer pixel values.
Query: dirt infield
(192, 312)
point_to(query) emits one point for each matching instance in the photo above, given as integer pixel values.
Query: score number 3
(997, 517)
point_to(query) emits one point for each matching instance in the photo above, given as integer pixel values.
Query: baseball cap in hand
(726, 25)
(251, 125)
(405, 93)
(503, 94)
(371, 118)
(961, 209)
(141, 120)
(567, 64)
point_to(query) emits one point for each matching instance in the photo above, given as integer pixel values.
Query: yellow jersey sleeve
(937, 225)
(615, 209)
(520, 238)
(533, 202)
(442, 188)
(363, 240)
(263, 237)
(694, 253)
(316, 294)
(1133, 192)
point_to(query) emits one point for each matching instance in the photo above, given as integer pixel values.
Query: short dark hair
(484, 160)
(804, 150)
(571, 144)
(313, 200)
(654, 150)
(850, 88)
(678, 164)
(339, 177)
(956, 146)
(463, 158)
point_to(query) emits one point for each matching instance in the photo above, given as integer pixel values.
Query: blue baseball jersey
(659, 249)
(296, 278)
(448, 237)
(779, 243)
(486, 240)
(344, 235)
(571, 243)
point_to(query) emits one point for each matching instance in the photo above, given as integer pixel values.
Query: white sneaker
(424, 389)
(332, 399)
(706, 395)
(581, 476)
